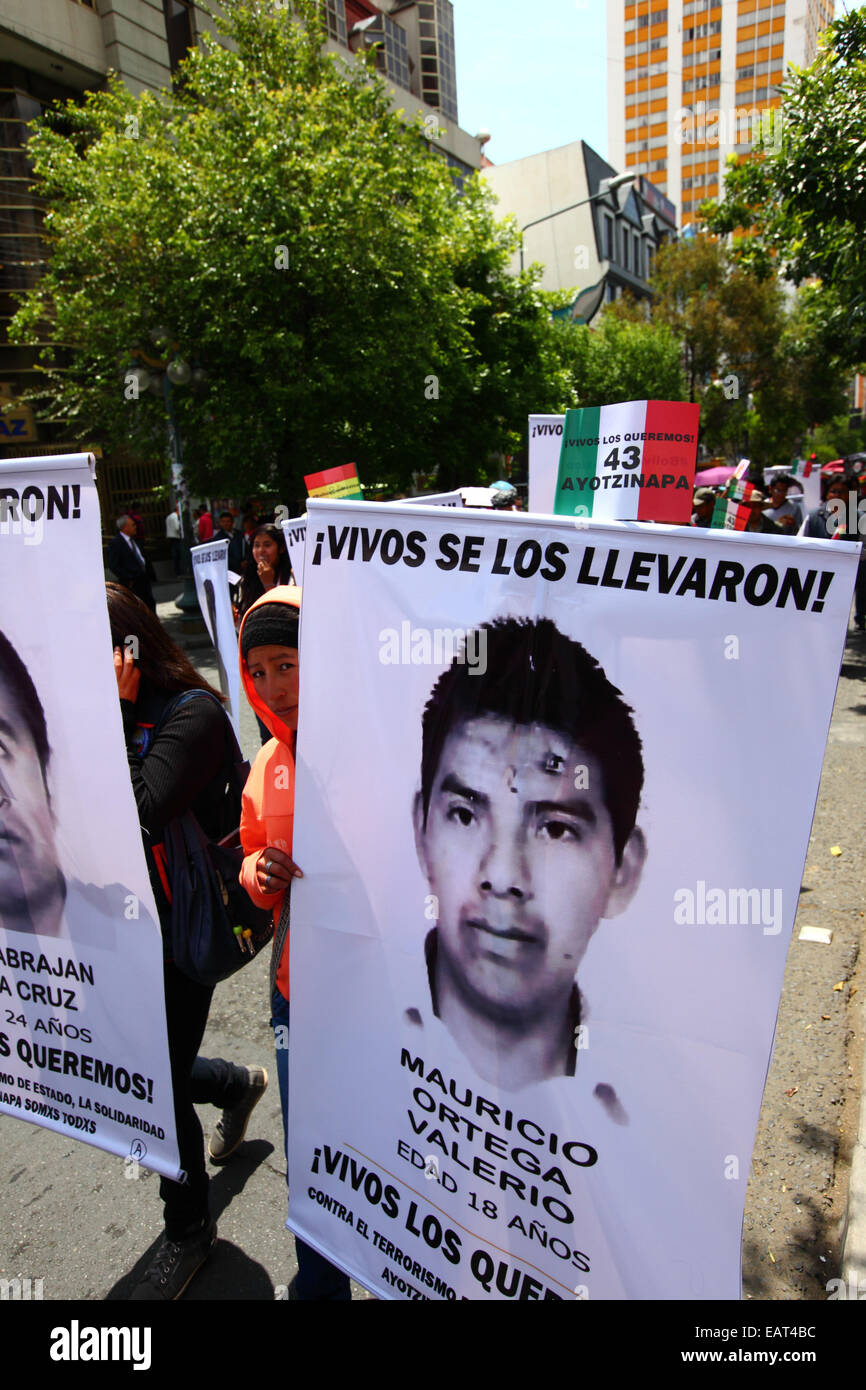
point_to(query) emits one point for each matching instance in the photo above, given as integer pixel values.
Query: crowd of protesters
(781, 512)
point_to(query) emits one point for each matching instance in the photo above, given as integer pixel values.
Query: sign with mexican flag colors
(634, 461)
(733, 509)
(339, 482)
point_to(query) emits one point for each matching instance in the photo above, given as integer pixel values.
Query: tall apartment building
(689, 82)
(54, 49)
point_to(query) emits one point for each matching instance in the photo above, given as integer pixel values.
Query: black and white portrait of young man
(37, 895)
(525, 828)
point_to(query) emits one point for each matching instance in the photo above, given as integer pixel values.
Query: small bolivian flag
(634, 461)
(339, 482)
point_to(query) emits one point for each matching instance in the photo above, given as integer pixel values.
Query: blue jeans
(318, 1280)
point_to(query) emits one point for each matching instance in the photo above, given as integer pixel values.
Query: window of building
(21, 222)
(333, 13)
(609, 239)
(392, 53)
(178, 30)
(438, 66)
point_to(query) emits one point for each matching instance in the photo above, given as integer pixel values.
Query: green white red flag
(634, 461)
(732, 511)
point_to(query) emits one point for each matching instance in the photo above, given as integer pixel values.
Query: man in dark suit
(126, 561)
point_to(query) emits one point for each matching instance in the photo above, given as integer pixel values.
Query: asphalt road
(86, 1224)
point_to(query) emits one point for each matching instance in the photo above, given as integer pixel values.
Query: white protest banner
(538, 948)
(545, 444)
(435, 499)
(211, 573)
(83, 1045)
(295, 532)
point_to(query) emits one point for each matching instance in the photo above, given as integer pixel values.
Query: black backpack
(210, 925)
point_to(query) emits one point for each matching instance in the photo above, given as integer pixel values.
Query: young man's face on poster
(518, 848)
(29, 874)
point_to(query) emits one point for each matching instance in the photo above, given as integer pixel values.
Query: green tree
(625, 358)
(804, 197)
(276, 225)
(687, 281)
(762, 367)
(835, 439)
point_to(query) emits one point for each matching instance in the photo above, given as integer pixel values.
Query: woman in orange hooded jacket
(269, 672)
(270, 629)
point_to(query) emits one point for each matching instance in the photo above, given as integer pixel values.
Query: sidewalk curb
(854, 1239)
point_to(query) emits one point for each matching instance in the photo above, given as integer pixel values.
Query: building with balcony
(51, 50)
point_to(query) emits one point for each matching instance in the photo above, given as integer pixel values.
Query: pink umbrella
(714, 477)
(837, 466)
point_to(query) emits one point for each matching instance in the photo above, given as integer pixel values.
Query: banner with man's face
(538, 947)
(210, 571)
(83, 1046)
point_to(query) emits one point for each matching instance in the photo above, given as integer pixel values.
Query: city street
(86, 1224)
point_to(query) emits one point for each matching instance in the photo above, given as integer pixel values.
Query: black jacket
(184, 767)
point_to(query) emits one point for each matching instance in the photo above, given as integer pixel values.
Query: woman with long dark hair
(266, 566)
(179, 761)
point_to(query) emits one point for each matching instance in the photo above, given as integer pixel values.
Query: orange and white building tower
(691, 81)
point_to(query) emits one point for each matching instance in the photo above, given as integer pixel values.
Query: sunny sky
(534, 73)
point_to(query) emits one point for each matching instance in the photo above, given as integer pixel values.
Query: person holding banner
(833, 519)
(269, 671)
(178, 762)
(266, 566)
(785, 512)
(759, 520)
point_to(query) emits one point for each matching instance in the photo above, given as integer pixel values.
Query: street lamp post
(162, 376)
(188, 601)
(607, 187)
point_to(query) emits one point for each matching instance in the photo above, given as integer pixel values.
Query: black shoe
(232, 1124)
(174, 1265)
